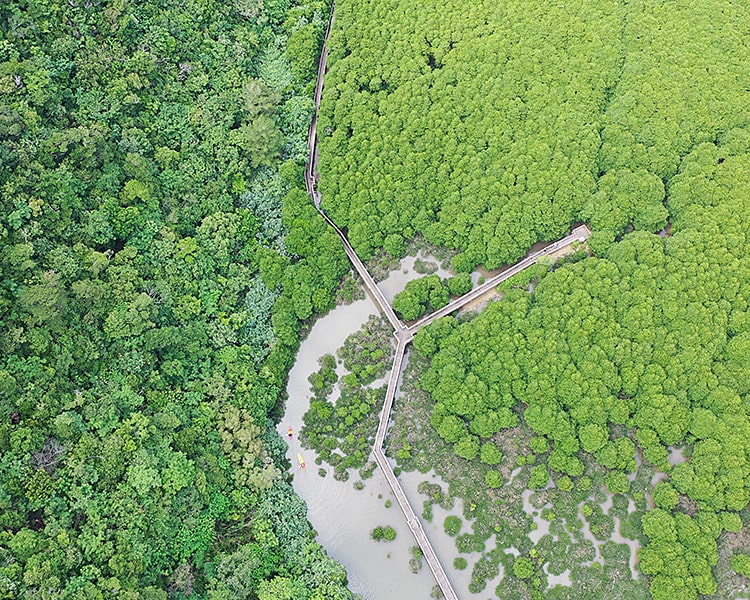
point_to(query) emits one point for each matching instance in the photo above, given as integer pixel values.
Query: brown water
(443, 544)
(342, 515)
(398, 279)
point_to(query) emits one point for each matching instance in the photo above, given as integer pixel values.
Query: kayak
(301, 461)
(290, 432)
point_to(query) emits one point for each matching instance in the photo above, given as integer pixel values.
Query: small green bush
(741, 564)
(452, 525)
(523, 568)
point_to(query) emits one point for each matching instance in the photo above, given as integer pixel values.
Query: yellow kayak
(290, 432)
(301, 461)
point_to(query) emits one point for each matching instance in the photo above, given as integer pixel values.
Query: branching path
(404, 334)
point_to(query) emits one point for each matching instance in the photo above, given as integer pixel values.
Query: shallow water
(443, 544)
(676, 455)
(343, 516)
(398, 279)
(555, 580)
(542, 525)
(616, 536)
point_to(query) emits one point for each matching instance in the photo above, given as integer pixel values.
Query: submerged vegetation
(341, 422)
(383, 533)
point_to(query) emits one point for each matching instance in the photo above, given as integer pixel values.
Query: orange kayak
(301, 461)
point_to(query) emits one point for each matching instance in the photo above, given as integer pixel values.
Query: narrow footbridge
(311, 175)
(372, 288)
(579, 234)
(412, 520)
(402, 333)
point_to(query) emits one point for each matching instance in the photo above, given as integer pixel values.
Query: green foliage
(460, 284)
(150, 308)
(539, 444)
(651, 336)
(617, 482)
(539, 477)
(343, 434)
(323, 379)
(349, 427)
(475, 158)
(368, 353)
(683, 536)
(281, 588)
(452, 525)
(741, 564)
(459, 563)
(490, 454)
(493, 479)
(395, 245)
(152, 284)
(383, 533)
(467, 447)
(301, 50)
(421, 295)
(415, 562)
(428, 339)
(665, 496)
(627, 199)
(523, 567)
(643, 348)
(593, 437)
(731, 522)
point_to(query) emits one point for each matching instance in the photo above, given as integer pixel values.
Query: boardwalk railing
(579, 234)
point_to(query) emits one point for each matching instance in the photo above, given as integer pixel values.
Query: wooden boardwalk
(311, 174)
(404, 334)
(579, 234)
(372, 288)
(311, 168)
(412, 520)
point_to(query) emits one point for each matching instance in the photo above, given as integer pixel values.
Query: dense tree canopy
(439, 120)
(487, 126)
(149, 300)
(158, 253)
(651, 335)
(491, 126)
